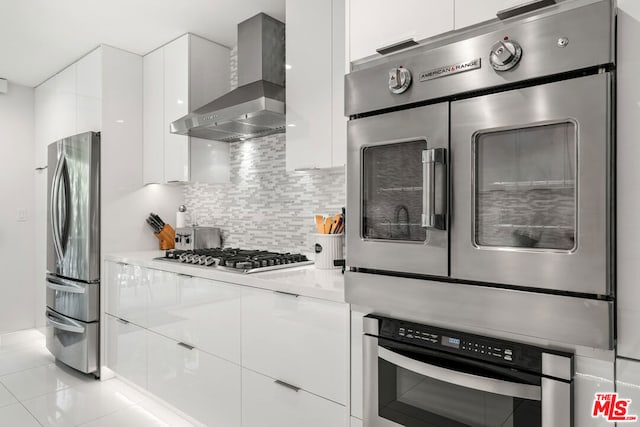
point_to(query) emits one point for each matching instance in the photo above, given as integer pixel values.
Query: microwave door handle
(463, 379)
(431, 157)
(53, 207)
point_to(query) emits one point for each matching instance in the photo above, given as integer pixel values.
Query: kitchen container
(328, 248)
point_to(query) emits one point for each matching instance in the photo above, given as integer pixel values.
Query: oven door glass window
(392, 191)
(413, 400)
(525, 187)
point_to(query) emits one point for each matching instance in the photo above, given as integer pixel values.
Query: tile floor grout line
(26, 369)
(31, 413)
(18, 401)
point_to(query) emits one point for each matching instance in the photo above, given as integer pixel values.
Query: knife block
(166, 237)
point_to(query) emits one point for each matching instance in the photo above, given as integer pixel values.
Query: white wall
(17, 239)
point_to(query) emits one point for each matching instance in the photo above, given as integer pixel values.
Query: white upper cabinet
(470, 12)
(377, 23)
(89, 92)
(315, 46)
(153, 116)
(178, 78)
(69, 103)
(176, 105)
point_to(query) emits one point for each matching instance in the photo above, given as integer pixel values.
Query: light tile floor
(36, 391)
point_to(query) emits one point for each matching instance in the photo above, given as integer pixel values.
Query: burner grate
(238, 260)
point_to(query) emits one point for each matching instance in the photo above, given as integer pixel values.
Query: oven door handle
(431, 219)
(463, 379)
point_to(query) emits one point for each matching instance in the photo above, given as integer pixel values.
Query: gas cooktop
(236, 260)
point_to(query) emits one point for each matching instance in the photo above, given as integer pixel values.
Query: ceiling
(38, 38)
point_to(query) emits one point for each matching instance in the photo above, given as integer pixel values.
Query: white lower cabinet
(592, 376)
(203, 386)
(127, 350)
(299, 340)
(356, 422)
(128, 291)
(356, 364)
(200, 312)
(213, 350)
(628, 384)
(266, 403)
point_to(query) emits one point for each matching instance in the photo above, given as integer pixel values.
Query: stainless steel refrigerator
(73, 251)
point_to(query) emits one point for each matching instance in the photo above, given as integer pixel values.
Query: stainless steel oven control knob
(505, 55)
(399, 80)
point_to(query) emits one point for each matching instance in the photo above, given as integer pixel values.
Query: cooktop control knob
(505, 55)
(399, 80)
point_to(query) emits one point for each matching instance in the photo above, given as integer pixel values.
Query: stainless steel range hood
(257, 107)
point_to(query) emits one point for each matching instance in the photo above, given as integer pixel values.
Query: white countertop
(307, 280)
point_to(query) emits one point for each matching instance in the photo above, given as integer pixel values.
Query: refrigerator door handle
(64, 326)
(53, 207)
(66, 205)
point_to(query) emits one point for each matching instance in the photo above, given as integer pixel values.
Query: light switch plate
(21, 215)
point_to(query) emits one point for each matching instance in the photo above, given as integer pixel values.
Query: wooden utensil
(328, 222)
(320, 224)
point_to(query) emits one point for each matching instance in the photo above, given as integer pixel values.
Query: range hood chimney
(256, 108)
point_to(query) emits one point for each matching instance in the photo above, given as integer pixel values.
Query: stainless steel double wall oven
(479, 182)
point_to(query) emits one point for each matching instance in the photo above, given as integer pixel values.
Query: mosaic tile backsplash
(265, 207)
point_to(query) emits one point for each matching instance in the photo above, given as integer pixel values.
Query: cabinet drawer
(204, 386)
(127, 291)
(266, 403)
(126, 350)
(203, 313)
(300, 340)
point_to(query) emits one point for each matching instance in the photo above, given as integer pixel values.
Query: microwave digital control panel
(478, 347)
(464, 344)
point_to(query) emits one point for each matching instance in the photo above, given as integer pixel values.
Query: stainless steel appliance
(73, 251)
(484, 157)
(197, 238)
(257, 107)
(417, 375)
(237, 260)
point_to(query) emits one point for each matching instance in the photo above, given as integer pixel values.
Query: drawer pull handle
(57, 324)
(186, 276)
(385, 50)
(124, 322)
(185, 345)
(291, 294)
(287, 385)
